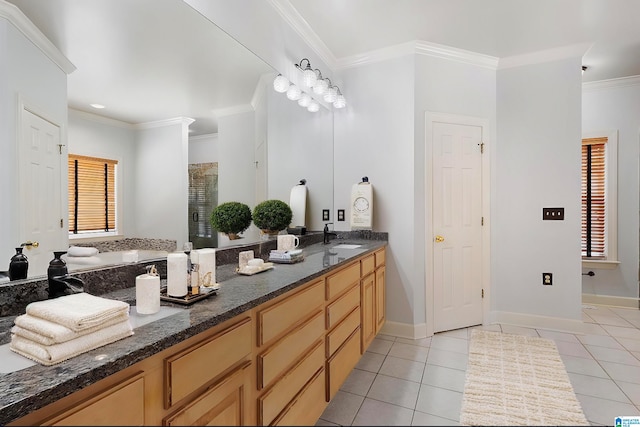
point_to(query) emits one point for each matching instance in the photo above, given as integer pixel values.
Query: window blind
(92, 201)
(593, 197)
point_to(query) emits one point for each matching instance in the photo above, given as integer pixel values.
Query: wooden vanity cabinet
(372, 296)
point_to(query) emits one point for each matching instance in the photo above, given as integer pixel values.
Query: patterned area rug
(517, 380)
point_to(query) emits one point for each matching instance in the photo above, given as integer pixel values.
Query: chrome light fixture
(305, 100)
(308, 74)
(294, 92)
(340, 102)
(321, 84)
(331, 94)
(313, 106)
(281, 83)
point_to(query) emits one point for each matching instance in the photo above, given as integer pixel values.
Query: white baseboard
(404, 330)
(611, 300)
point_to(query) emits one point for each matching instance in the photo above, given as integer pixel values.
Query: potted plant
(271, 216)
(231, 218)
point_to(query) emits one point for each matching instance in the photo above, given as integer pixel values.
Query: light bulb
(320, 87)
(313, 107)
(281, 83)
(305, 100)
(331, 94)
(309, 76)
(293, 93)
(340, 102)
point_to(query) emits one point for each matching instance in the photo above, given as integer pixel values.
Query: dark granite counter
(26, 390)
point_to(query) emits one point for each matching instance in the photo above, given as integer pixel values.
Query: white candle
(147, 294)
(207, 258)
(195, 257)
(177, 274)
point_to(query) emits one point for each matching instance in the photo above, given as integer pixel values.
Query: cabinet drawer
(279, 396)
(342, 363)
(305, 410)
(368, 264)
(282, 316)
(380, 256)
(194, 367)
(222, 404)
(337, 310)
(122, 404)
(342, 280)
(341, 332)
(286, 351)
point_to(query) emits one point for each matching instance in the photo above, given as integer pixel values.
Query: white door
(40, 191)
(457, 225)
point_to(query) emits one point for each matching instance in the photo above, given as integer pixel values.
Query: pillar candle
(177, 274)
(147, 294)
(207, 261)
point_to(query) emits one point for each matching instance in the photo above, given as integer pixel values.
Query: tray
(189, 299)
(245, 273)
(286, 261)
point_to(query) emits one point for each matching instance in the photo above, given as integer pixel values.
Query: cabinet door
(221, 405)
(380, 298)
(368, 301)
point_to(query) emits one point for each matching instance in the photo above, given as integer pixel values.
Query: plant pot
(271, 232)
(233, 236)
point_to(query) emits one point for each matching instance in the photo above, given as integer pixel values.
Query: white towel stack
(58, 329)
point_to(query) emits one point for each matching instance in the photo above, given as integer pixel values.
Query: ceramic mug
(287, 242)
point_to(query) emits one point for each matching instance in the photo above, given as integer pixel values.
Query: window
(599, 200)
(92, 198)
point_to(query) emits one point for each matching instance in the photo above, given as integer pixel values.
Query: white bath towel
(82, 260)
(45, 332)
(78, 311)
(80, 251)
(56, 353)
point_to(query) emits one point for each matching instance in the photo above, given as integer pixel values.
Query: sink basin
(346, 246)
(12, 362)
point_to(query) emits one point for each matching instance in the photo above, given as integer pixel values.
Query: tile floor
(401, 381)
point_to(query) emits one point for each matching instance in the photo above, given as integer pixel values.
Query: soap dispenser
(18, 265)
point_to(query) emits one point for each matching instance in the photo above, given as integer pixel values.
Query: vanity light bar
(312, 78)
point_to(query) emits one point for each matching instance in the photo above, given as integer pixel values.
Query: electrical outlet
(547, 278)
(325, 214)
(340, 214)
(553, 214)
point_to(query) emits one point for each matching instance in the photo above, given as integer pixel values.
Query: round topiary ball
(231, 218)
(272, 215)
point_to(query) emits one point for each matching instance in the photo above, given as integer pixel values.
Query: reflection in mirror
(262, 145)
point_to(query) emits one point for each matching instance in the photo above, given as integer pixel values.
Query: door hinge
(481, 220)
(60, 148)
(482, 293)
(481, 144)
(61, 223)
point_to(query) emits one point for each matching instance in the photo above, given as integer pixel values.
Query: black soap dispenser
(18, 265)
(57, 266)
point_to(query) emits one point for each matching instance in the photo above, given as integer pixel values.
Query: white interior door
(457, 225)
(40, 190)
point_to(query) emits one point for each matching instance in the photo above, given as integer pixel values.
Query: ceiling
(150, 60)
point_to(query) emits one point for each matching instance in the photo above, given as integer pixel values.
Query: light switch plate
(553, 214)
(325, 214)
(340, 214)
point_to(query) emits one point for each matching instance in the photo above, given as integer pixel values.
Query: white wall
(161, 181)
(537, 165)
(203, 148)
(27, 76)
(615, 105)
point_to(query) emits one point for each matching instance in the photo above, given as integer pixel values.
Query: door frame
(430, 118)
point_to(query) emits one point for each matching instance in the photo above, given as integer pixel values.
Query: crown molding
(162, 123)
(547, 55)
(611, 83)
(236, 109)
(100, 119)
(14, 15)
(207, 137)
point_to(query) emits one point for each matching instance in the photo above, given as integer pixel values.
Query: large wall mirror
(261, 143)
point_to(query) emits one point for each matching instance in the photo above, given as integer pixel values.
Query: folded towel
(82, 260)
(45, 332)
(78, 311)
(56, 353)
(79, 251)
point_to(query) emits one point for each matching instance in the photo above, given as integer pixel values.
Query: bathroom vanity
(272, 348)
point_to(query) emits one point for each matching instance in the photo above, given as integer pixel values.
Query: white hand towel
(56, 353)
(82, 260)
(78, 311)
(45, 332)
(79, 251)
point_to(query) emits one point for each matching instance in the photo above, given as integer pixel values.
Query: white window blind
(92, 199)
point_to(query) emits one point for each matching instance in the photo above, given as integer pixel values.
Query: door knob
(439, 239)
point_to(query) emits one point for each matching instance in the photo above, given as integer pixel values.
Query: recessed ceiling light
(98, 106)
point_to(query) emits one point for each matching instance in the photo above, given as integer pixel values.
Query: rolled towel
(45, 332)
(56, 353)
(78, 311)
(80, 251)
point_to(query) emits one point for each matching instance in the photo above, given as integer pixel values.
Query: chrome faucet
(327, 234)
(65, 285)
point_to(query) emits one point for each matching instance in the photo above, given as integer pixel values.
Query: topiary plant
(231, 218)
(272, 216)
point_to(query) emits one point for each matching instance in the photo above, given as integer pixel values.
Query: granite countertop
(26, 390)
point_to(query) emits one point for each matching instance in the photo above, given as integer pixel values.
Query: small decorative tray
(205, 292)
(286, 261)
(251, 273)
